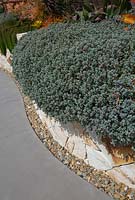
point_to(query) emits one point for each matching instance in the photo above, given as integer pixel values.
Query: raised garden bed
(95, 151)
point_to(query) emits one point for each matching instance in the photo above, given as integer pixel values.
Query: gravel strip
(98, 178)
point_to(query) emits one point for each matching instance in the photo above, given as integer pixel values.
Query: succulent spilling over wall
(82, 72)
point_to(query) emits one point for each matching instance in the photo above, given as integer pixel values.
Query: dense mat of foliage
(82, 72)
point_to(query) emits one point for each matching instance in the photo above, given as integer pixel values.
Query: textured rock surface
(4, 63)
(20, 35)
(79, 149)
(98, 159)
(59, 134)
(69, 136)
(125, 174)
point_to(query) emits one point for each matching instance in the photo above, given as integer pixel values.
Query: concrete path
(28, 171)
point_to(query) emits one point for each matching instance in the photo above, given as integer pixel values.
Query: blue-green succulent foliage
(82, 72)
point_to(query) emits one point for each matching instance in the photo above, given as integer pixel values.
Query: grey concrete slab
(28, 171)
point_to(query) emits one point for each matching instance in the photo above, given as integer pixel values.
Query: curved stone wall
(73, 138)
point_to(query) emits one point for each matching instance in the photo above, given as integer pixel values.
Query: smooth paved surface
(28, 171)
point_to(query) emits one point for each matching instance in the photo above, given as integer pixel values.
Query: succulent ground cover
(82, 72)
